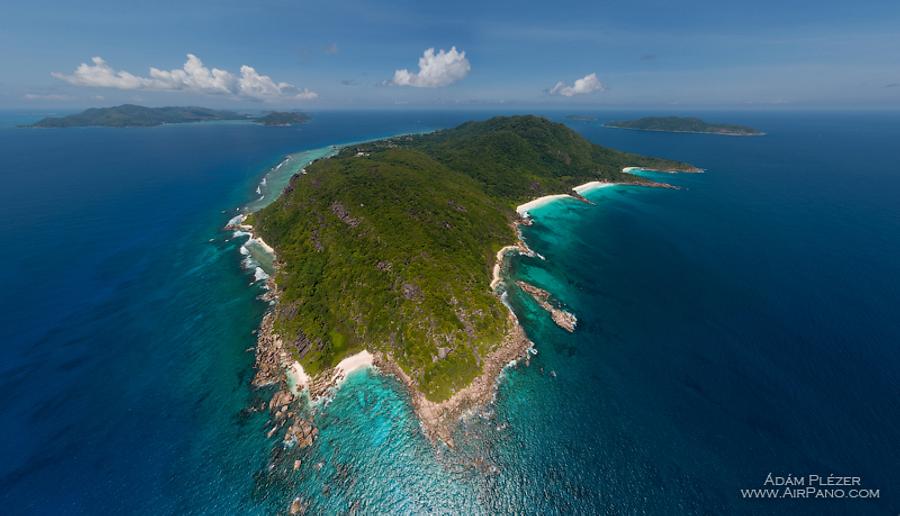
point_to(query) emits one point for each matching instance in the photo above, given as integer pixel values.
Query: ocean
(742, 326)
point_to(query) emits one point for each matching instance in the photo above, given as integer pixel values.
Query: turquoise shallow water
(740, 326)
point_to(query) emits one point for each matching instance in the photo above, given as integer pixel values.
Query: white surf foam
(259, 274)
(236, 220)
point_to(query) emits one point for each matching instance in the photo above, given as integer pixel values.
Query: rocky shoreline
(271, 363)
(271, 357)
(439, 418)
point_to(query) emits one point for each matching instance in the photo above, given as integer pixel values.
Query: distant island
(385, 254)
(676, 124)
(582, 118)
(283, 118)
(131, 115)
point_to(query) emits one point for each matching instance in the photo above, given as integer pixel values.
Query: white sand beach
(498, 264)
(591, 185)
(360, 360)
(298, 379)
(522, 209)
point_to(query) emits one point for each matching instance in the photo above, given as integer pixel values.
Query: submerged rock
(280, 400)
(297, 506)
(302, 433)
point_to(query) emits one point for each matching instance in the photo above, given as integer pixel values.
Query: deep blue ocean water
(744, 325)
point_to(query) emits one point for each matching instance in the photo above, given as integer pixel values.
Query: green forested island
(283, 118)
(390, 245)
(131, 115)
(678, 124)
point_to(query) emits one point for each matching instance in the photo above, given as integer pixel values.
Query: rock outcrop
(562, 318)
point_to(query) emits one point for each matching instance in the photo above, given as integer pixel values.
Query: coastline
(438, 419)
(593, 185)
(274, 364)
(577, 193)
(520, 247)
(522, 209)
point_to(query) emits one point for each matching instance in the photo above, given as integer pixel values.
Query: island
(675, 124)
(386, 251)
(131, 115)
(283, 118)
(582, 118)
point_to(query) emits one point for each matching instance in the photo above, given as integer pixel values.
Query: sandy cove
(275, 365)
(522, 209)
(520, 247)
(321, 386)
(577, 192)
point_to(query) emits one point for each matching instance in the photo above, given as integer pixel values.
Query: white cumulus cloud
(435, 69)
(194, 76)
(587, 84)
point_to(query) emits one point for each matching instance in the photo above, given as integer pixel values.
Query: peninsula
(675, 124)
(388, 248)
(131, 115)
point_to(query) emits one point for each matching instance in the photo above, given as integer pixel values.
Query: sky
(267, 54)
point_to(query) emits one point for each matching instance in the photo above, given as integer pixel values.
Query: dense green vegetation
(389, 245)
(130, 115)
(518, 158)
(283, 118)
(394, 252)
(683, 124)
